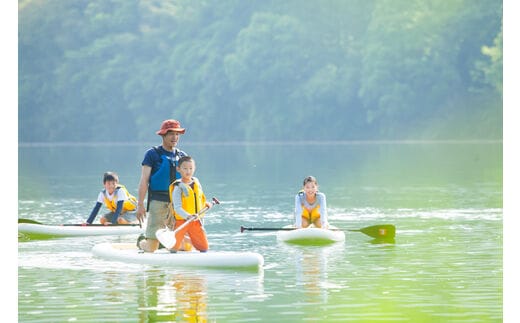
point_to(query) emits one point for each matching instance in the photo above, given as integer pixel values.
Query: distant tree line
(112, 70)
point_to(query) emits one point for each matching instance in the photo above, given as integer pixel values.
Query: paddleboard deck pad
(128, 252)
(311, 236)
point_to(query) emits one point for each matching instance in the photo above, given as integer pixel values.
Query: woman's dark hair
(310, 179)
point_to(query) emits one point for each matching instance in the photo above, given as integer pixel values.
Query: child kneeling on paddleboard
(117, 199)
(310, 206)
(188, 198)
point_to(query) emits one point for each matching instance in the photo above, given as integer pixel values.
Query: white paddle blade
(166, 237)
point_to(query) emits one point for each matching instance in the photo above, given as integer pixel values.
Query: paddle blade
(166, 237)
(380, 231)
(215, 201)
(20, 220)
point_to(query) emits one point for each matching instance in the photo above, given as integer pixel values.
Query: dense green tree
(98, 70)
(489, 71)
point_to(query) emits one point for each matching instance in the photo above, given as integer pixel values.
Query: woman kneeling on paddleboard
(310, 206)
(188, 199)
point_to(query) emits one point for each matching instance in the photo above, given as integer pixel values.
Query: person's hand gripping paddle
(167, 236)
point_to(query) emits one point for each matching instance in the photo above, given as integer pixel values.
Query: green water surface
(445, 264)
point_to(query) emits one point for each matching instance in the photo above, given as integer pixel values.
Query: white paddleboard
(311, 235)
(128, 252)
(43, 231)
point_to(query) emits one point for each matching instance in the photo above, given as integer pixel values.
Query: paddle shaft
(242, 229)
(380, 231)
(197, 216)
(193, 218)
(101, 225)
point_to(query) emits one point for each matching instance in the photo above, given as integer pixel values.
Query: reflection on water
(311, 265)
(173, 298)
(383, 241)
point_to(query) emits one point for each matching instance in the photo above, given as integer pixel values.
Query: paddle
(20, 220)
(167, 237)
(101, 225)
(379, 231)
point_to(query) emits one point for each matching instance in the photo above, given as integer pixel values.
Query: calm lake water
(445, 265)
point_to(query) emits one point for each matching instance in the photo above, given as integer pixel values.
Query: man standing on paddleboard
(158, 171)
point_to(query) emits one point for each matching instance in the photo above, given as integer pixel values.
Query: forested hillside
(235, 70)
